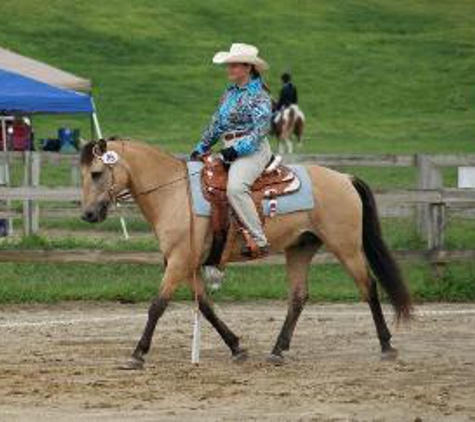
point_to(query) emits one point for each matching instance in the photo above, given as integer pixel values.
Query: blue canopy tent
(23, 95)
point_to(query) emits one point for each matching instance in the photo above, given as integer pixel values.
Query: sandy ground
(59, 363)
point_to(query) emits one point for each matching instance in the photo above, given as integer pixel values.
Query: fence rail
(405, 197)
(429, 201)
(435, 257)
(363, 160)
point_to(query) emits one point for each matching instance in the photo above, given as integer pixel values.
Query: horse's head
(104, 175)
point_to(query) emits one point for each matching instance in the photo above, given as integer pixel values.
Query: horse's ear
(102, 145)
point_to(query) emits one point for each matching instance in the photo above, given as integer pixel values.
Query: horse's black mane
(87, 155)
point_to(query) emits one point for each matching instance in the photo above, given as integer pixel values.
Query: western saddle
(276, 180)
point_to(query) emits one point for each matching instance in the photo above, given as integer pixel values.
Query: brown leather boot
(260, 252)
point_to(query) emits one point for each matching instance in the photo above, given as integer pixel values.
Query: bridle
(115, 196)
(111, 190)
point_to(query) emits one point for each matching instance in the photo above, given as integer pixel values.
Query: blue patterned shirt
(246, 109)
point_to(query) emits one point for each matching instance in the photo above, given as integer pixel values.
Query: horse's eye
(96, 175)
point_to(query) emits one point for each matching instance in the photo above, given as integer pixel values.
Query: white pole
(196, 343)
(5, 150)
(6, 169)
(123, 224)
(97, 127)
(95, 120)
(4, 134)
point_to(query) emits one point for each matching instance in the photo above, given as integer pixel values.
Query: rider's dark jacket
(288, 96)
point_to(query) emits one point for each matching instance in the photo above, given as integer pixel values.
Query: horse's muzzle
(95, 214)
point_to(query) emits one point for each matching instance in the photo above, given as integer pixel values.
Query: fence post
(428, 177)
(436, 238)
(31, 210)
(437, 223)
(75, 175)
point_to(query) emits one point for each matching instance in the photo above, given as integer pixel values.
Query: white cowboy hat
(241, 53)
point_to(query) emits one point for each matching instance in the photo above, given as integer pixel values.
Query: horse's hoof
(389, 354)
(240, 356)
(276, 360)
(133, 364)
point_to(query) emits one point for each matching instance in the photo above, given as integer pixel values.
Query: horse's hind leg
(298, 132)
(384, 335)
(355, 264)
(298, 259)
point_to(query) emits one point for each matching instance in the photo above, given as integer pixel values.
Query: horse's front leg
(290, 146)
(174, 274)
(231, 339)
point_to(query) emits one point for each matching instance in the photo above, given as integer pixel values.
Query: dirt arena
(59, 363)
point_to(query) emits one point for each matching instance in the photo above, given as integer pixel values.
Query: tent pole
(91, 128)
(95, 121)
(5, 151)
(96, 125)
(6, 168)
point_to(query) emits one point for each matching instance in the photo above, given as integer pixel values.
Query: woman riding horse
(344, 217)
(242, 120)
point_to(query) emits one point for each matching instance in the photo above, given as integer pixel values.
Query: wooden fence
(429, 199)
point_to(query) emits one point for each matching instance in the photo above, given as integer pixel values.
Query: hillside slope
(374, 76)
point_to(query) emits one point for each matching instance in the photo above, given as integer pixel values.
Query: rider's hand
(195, 156)
(219, 156)
(229, 154)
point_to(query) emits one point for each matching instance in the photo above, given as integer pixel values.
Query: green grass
(54, 282)
(118, 243)
(41, 283)
(400, 233)
(112, 224)
(374, 75)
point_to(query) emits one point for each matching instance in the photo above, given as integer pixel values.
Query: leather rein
(114, 196)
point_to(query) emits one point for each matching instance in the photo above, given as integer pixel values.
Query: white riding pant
(243, 172)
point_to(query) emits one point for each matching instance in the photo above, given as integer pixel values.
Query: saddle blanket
(300, 200)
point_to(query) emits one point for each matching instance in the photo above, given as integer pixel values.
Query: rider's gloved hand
(195, 156)
(229, 154)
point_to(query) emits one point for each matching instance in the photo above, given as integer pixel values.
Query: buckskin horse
(344, 219)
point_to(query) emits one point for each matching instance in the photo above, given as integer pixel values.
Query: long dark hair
(256, 74)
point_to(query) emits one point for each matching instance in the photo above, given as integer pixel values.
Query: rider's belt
(234, 135)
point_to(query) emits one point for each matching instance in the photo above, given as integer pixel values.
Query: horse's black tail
(381, 262)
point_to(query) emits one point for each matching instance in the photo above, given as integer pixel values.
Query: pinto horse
(286, 123)
(344, 219)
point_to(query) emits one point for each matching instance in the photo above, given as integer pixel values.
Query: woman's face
(238, 72)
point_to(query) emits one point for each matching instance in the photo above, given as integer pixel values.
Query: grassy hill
(374, 76)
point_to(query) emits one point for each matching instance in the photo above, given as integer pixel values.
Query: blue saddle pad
(300, 200)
